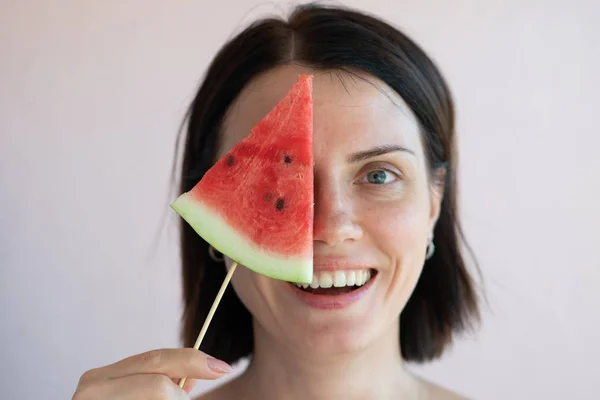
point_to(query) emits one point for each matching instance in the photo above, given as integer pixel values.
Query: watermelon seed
(279, 205)
(287, 159)
(230, 161)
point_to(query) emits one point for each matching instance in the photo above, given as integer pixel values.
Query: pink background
(91, 97)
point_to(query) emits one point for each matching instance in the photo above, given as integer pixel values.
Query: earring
(430, 250)
(211, 253)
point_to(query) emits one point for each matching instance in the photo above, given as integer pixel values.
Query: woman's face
(375, 210)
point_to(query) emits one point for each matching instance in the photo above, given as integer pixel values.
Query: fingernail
(218, 365)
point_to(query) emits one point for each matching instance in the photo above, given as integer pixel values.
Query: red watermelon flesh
(255, 205)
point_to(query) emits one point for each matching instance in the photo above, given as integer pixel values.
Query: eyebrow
(377, 151)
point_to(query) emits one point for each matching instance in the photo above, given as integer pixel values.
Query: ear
(436, 196)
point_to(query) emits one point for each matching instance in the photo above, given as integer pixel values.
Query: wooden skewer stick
(211, 313)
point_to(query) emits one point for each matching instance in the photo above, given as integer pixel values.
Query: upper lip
(328, 263)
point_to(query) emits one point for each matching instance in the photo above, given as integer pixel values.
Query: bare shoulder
(436, 392)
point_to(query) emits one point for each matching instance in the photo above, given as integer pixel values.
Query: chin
(327, 323)
(338, 336)
(320, 322)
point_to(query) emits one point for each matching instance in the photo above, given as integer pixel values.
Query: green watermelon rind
(217, 232)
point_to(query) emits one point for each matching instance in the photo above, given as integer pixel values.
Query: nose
(334, 222)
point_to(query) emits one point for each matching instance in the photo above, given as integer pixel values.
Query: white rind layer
(217, 232)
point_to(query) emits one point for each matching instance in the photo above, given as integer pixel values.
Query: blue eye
(379, 176)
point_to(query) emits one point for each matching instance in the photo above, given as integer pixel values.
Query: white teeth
(351, 278)
(359, 278)
(339, 279)
(315, 282)
(326, 279)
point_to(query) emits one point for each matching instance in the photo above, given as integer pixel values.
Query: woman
(385, 207)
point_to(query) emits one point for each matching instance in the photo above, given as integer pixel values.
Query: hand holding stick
(212, 312)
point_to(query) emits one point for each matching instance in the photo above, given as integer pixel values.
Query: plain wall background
(91, 98)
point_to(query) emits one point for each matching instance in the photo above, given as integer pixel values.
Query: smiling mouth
(334, 283)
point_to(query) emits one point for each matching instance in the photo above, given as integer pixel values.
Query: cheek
(253, 290)
(400, 229)
(400, 233)
(243, 282)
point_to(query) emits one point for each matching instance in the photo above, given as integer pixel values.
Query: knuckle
(85, 393)
(88, 376)
(85, 390)
(153, 358)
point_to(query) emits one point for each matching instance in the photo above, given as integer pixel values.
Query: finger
(145, 386)
(173, 363)
(190, 383)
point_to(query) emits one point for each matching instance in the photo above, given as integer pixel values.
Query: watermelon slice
(255, 205)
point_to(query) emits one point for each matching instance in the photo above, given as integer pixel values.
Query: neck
(278, 372)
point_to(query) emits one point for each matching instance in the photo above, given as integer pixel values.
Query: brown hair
(444, 301)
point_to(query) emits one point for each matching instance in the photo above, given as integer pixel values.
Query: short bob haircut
(444, 301)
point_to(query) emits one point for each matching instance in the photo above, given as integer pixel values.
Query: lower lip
(333, 302)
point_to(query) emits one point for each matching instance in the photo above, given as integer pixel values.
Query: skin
(301, 352)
